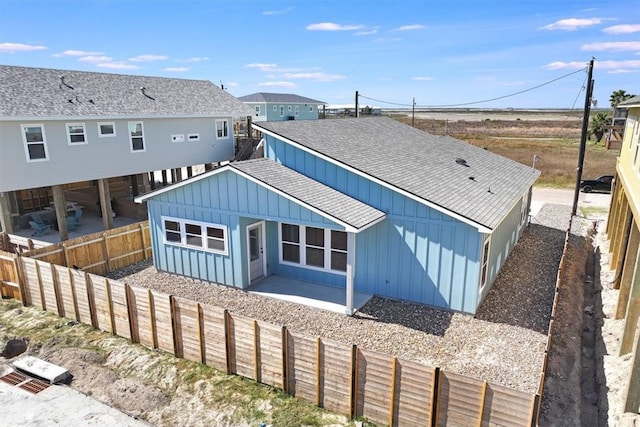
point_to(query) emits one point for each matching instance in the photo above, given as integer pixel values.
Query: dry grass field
(556, 142)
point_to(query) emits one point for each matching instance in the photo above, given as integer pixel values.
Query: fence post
(318, 371)
(74, 296)
(178, 352)
(56, 290)
(91, 299)
(152, 320)
(40, 289)
(256, 351)
(227, 338)
(133, 319)
(201, 341)
(354, 381)
(435, 407)
(392, 391)
(285, 359)
(484, 395)
(112, 319)
(105, 246)
(19, 268)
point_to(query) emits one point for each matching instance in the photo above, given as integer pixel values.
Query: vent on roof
(142, 89)
(64, 83)
(462, 162)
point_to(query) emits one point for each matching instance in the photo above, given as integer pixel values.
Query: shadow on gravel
(415, 316)
(522, 294)
(595, 403)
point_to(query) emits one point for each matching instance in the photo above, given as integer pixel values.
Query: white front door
(255, 237)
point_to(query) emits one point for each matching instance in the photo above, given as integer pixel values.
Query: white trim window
(524, 212)
(297, 110)
(106, 129)
(222, 128)
(282, 111)
(257, 107)
(76, 133)
(195, 234)
(485, 263)
(136, 136)
(311, 108)
(314, 248)
(289, 108)
(35, 143)
(275, 108)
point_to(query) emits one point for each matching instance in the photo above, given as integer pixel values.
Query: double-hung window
(313, 247)
(297, 110)
(136, 136)
(282, 111)
(222, 128)
(195, 234)
(76, 133)
(485, 262)
(35, 143)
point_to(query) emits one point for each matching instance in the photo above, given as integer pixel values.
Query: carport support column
(351, 271)
(60, 205)
(5, 213)
(105, 203)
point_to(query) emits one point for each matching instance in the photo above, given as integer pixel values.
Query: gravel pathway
(503, 344)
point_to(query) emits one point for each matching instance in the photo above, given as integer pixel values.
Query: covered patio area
(311, 294)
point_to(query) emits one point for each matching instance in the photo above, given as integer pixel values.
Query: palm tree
(618, 96)
(599, 123)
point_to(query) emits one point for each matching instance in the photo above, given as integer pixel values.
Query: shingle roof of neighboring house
(310, 192)
(40, 92)
(634, 101)
(279, 97)
(445, 172)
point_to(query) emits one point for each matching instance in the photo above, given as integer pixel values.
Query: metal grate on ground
(29, 384)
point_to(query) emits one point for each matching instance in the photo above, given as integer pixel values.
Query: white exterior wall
(104, 157)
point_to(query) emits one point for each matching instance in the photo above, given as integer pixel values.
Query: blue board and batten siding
(417, 253)
(229, 199)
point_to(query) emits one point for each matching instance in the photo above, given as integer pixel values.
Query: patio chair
(71, 223)
(39, 229)
(77, 215)
(38, 219)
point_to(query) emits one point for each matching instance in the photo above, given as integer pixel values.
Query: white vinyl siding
(35, 143)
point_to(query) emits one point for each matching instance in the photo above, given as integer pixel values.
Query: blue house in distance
(366, 205)
(281, 106)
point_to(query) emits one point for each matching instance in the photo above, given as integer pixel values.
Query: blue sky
(438, 52)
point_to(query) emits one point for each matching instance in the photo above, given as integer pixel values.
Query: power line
(583, 87)
(482, 101)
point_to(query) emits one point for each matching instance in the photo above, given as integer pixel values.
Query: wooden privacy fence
(339, 377)
(99, 253)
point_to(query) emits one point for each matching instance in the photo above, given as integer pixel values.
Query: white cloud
(387, 39)
(622, 29)
(571, 24)
(176, 69)
(79, 53)
(19, 47)
(561, 65)
(277, 12)
(263, 67)
(366, 33)
(422, 79)
(410, 27)
(95, 59)
(147, 57)
(118, 66)
(278, 84)
(196, 59)
(612, 46)
(317, 76)
(610, 66)
(330, 26)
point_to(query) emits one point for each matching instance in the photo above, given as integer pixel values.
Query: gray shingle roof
(39, 92)
(279, 97)
(633, 101)
(308, 191)
(408, 159)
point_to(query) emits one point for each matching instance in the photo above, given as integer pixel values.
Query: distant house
(349, 110)
(61, 126)
(367, 205)
(281, 106)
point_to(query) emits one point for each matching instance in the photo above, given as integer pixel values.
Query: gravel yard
(503, 344)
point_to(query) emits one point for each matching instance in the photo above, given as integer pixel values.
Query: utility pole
(413, 113)
(357, 109)
(583, 136)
